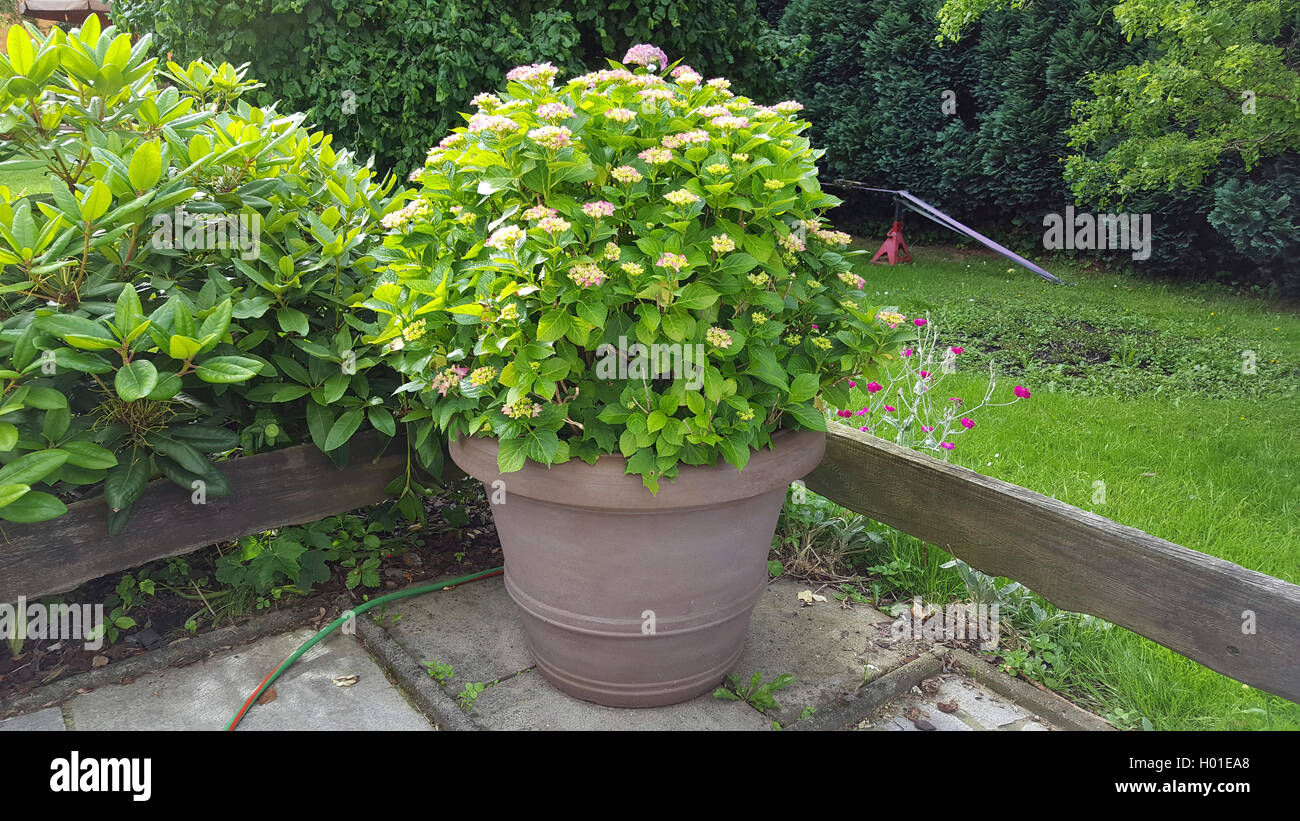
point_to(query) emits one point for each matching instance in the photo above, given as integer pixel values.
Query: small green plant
(807, 712)
(469, 696)
(1129, 720)
(439, 672)
(852, 594)
(383, 616)
(459, 556)
(757, 693)
(128, 593)
(816, 539)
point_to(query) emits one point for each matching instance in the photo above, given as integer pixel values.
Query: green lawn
(1138, 385)
(26, 182)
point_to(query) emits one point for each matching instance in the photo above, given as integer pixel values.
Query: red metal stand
(893, 245)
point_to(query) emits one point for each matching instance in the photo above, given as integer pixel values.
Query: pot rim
(604, 485)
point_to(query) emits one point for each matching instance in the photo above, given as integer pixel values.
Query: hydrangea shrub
(634, 261)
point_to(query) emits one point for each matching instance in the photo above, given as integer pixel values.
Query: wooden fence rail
(1192, 603)
(283, 487)
(1197, 605)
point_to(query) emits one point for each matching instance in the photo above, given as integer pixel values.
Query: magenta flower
(872, 387)
(852, 384)
(844, 413)
(908, 352)
(927, 428)
(815, 328)
(865, 429)
(967, 423)
(924, 374)
(889, 408)
(1022, 392)
(956, 399)
(947, 445)
(864, 411)
(919, 322)
(957, 350)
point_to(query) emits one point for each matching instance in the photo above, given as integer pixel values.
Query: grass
(21, 183)
(1138, 385)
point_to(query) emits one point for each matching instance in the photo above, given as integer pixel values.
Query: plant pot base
(655, 694)
(629, 599)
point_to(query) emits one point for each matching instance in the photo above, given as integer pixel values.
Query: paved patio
(848, 675)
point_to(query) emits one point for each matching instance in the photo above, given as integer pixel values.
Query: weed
(757, 693)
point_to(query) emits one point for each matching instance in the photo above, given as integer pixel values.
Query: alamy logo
(1098, 232)
(60, 622)
(957, 622)
(183, 231)
(77, 774)
(657, 361)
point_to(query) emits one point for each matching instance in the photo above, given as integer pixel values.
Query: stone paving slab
(977, 708)
(203, 696)
(825, 646)
(50, 719)
(475, 628)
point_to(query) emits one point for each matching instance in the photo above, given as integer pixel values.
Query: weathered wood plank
(1191, 603)
(284, 487)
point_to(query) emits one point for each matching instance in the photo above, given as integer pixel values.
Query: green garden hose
(334, 625)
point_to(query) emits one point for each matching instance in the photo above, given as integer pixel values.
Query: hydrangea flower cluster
(643, 205)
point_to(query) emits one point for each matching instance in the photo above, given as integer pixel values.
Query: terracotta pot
(631, 599)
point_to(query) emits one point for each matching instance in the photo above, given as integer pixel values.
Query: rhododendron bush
(634, 261)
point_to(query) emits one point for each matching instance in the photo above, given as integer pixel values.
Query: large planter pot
(631, 599)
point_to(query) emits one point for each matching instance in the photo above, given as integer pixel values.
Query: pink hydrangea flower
(598, 209)
(644, 54)
(543, 72)
(554, 111)
(552, 136)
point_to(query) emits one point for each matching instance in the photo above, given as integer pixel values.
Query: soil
(420, 552)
